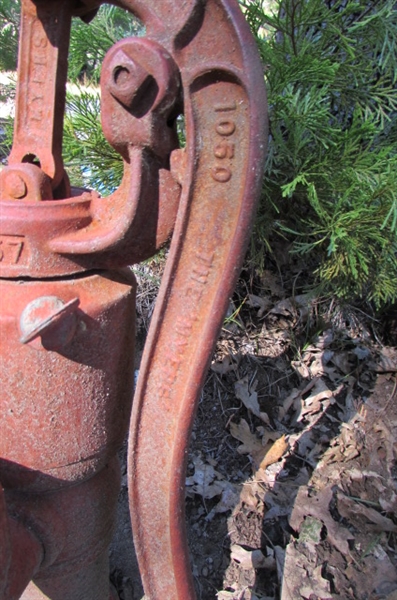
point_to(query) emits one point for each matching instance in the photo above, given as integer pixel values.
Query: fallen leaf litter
(292, 478)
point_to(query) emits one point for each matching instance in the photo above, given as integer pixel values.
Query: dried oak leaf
(302, 578)
(318, 507)
(249, 399)
(377, 576)
(312, 404)
(205, 481)
(250, 443)
(350, 509)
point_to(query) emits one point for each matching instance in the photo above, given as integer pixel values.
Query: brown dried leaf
(387, 361)
(251, 493)
(288, 402)
(274, 454)
(229, 499)
(250, 443)
(350, 509)
(205, 481)
(302, 578)
(318, 507)
(249, 399)
(378, 575)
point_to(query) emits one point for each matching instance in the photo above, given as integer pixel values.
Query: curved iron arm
(225, 111)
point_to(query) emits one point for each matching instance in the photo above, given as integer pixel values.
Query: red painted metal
(78, 385)
(42, 71)
(69, 392)
(225, 128)
(66, 329)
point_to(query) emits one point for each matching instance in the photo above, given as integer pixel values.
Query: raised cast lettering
(219, 107)
(221, 174)
(225, 128)
(11, 249)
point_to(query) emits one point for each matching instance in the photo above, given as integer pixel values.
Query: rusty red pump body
(67, 302)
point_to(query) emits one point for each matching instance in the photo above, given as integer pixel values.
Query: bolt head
(128, 79)
(49, 318)
(15, 186)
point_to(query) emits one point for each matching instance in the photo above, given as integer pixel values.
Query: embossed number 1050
(224, 148)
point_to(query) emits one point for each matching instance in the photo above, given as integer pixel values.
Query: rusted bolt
(52, 319)
(15, 186)
(129, 80)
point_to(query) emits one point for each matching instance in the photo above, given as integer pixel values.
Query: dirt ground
(291, 490)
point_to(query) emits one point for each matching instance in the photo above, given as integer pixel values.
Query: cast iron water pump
(67, 301)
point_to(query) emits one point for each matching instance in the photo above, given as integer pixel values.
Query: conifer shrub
(330, 185)
(9, 24)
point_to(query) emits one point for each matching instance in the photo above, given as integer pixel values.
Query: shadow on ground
(317, 520)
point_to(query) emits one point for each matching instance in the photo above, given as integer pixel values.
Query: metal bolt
(15, 186)
(50, 318)
(128, 79)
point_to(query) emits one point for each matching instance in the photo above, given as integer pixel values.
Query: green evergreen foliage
(90, 160)
(331, 176)
(90, 42)
(9, 24)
